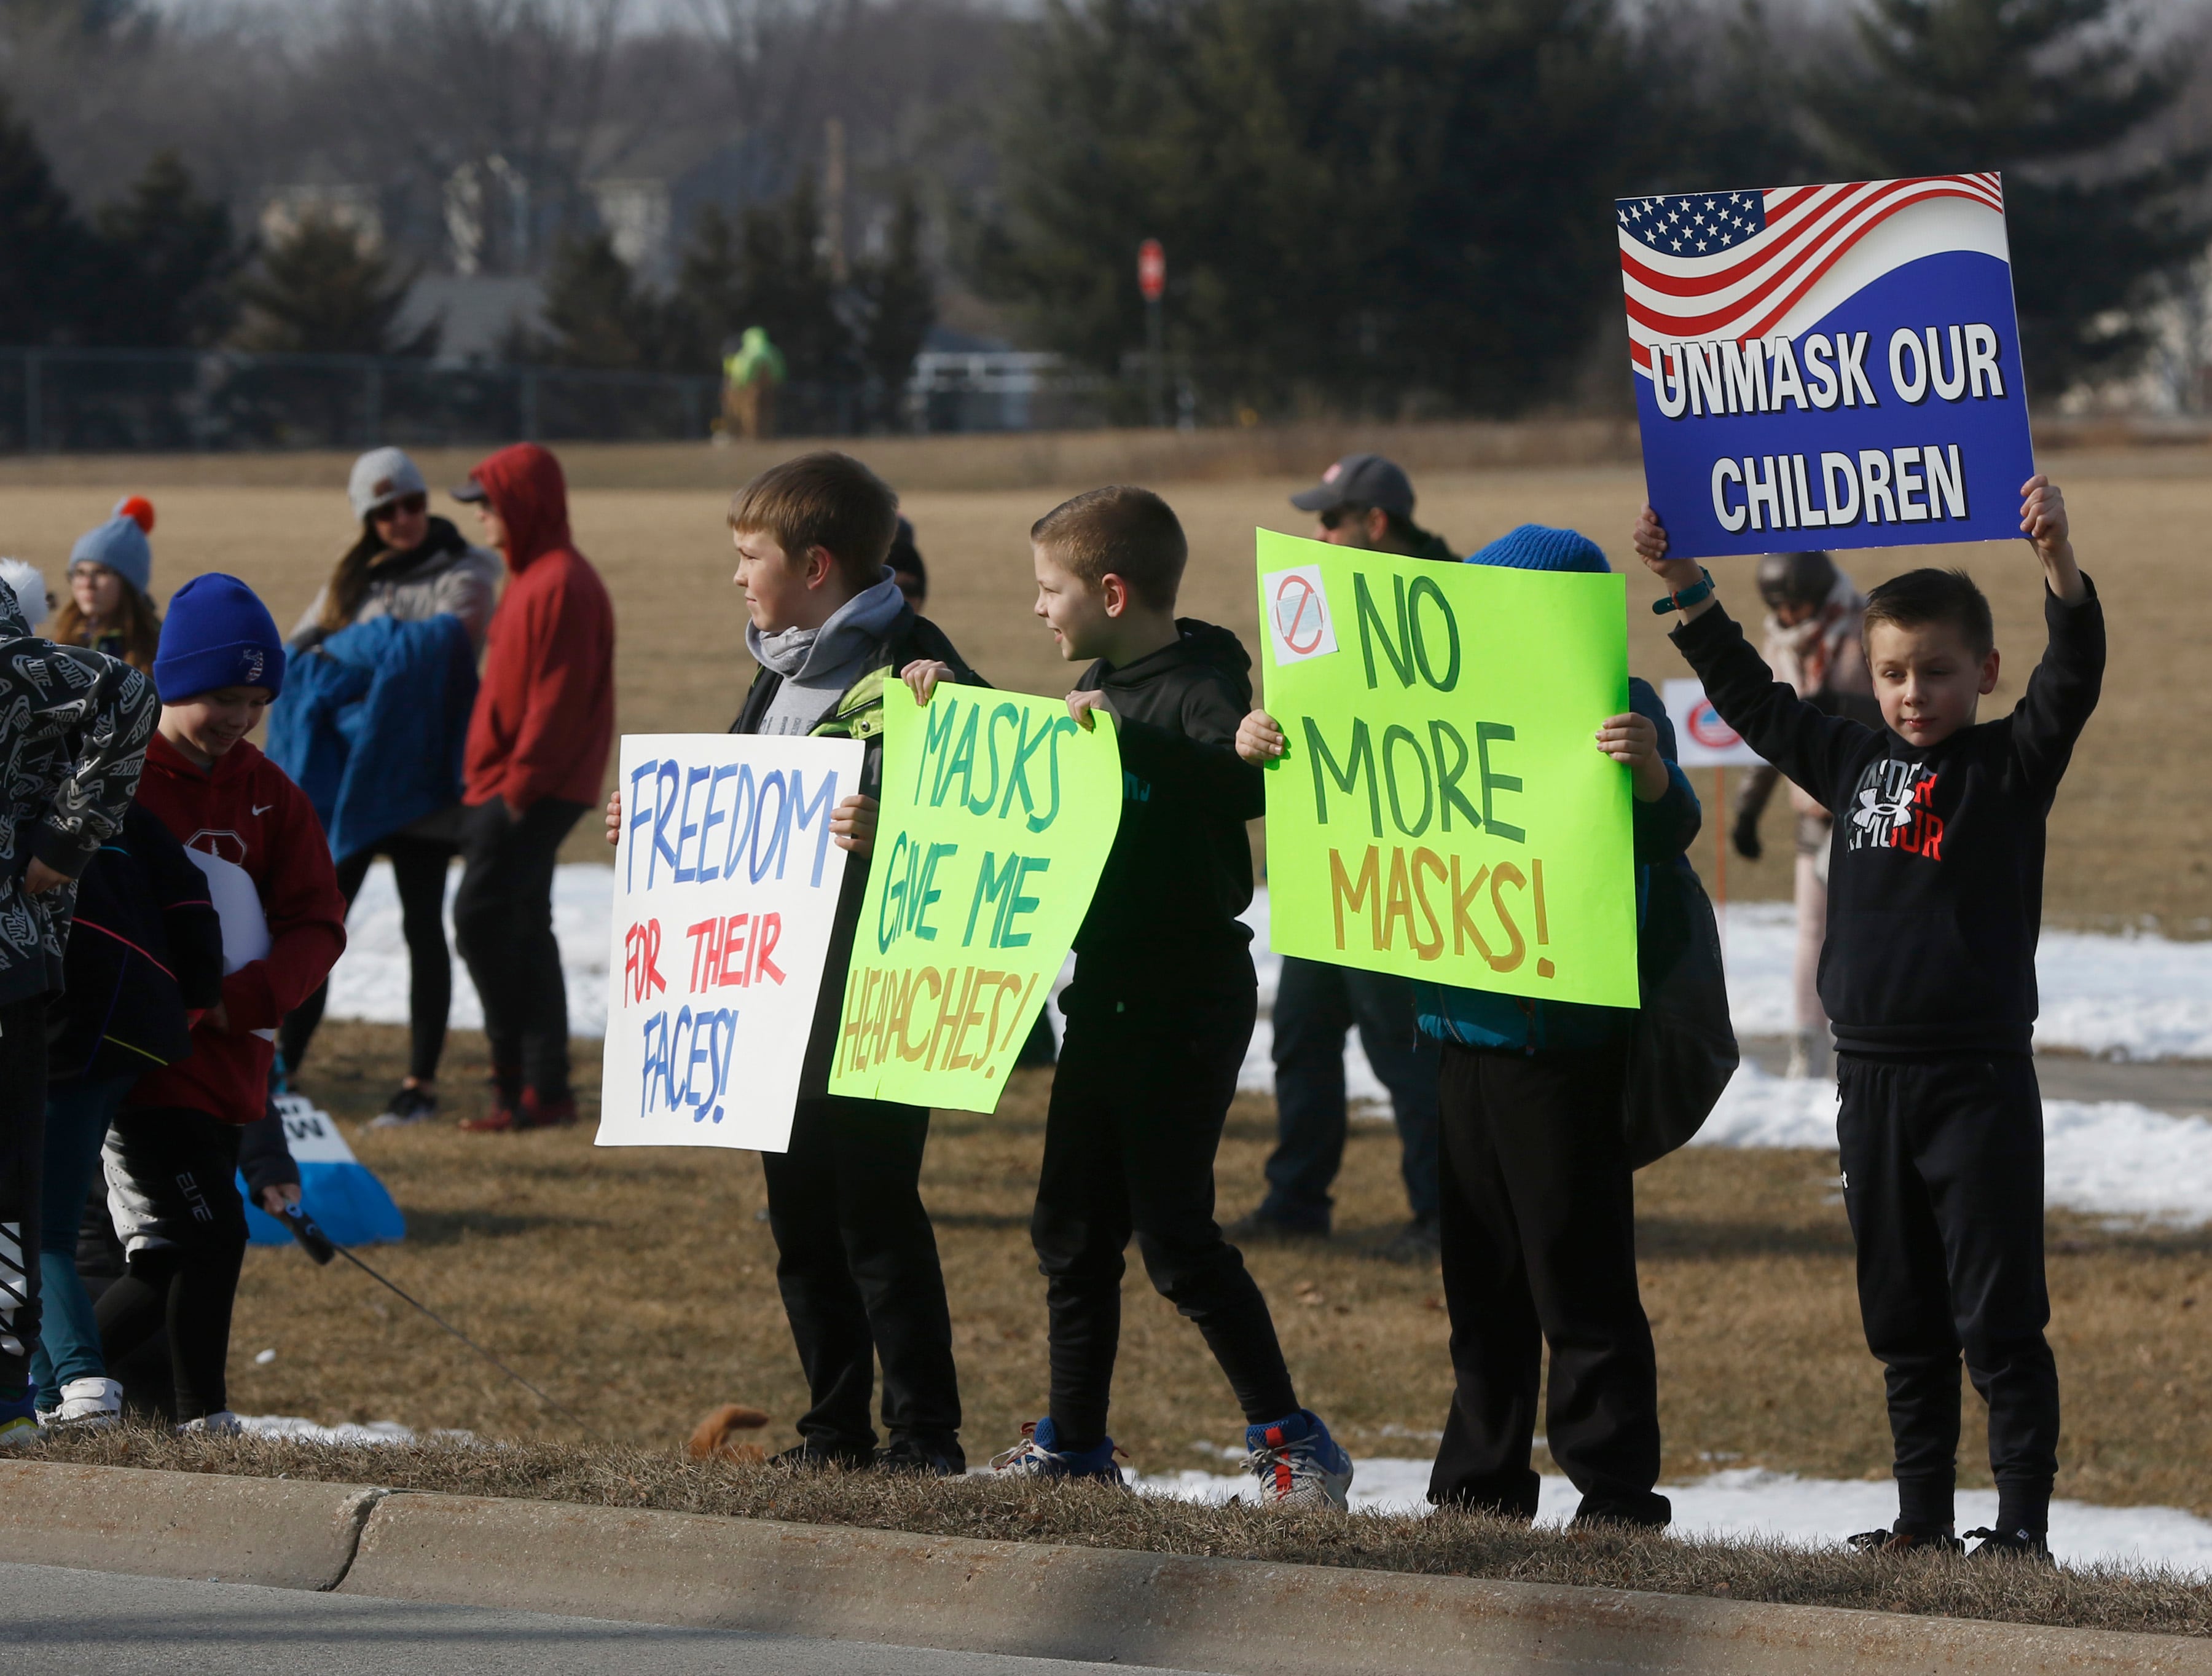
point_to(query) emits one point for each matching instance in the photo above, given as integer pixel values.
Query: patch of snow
(1751, 1502)
(2141, 996)
(298, 1430)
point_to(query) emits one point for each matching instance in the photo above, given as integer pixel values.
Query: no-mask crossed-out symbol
(1709, 730)
(1301, 614)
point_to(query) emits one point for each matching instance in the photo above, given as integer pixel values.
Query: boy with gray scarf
(856, 1258)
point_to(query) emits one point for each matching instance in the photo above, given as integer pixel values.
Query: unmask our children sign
(1833, 366)
(726, 889)
(1443, 810)
(998, 814)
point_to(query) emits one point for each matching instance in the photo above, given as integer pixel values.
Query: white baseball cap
(381, 477)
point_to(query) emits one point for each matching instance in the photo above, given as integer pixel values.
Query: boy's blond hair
(1118, 531)
(827, 500)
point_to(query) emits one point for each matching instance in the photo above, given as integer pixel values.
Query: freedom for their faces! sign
(725, 891)
(998, 814)
(1443, 811)
(1833, 366)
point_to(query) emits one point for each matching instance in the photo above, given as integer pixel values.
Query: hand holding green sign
(1438, 811)
(998, 812)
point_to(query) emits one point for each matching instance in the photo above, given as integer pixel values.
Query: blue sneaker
(1297, 1463)
(1037, 1456)
(19, 1422)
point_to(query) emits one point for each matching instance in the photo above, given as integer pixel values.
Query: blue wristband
(1694, 594)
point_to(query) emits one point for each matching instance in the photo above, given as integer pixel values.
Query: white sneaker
(89, 1404)
(220, 1424)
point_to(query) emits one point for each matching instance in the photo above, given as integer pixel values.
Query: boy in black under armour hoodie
(1934, 902)
(1161, 1007)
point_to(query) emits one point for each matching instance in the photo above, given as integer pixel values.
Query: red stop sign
(1151, 270)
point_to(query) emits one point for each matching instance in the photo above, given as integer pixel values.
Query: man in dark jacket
(1366, 501)
(535, 759)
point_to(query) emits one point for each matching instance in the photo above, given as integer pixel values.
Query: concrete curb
(1239, 1616)
(271, 1531)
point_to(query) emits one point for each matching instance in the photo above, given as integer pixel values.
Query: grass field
(2127, 839)
(638, 1286)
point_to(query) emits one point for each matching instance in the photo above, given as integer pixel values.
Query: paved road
(54, 1621)
(2181, 1085)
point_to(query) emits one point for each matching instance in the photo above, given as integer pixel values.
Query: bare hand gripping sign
(998, 814)
(1442, 811)
(726, 892)
(1832, 366)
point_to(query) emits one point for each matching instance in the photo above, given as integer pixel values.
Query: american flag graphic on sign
(1741, 263)
(1841, 358)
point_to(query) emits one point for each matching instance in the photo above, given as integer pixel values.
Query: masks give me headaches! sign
(998, 814)
(725, 893)
(1830, 366)
(1443, 811)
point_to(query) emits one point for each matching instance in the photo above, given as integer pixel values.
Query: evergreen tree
(324, 291)
(2045, 90)
(595, 314)
(901, 303)
(708, 306)
(1379, 204)
(167, 256)
(46, 253)
(785, 286)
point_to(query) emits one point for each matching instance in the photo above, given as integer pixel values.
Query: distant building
(346, 205)
(637, 215)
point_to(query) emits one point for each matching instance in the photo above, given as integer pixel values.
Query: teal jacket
(1663, 830)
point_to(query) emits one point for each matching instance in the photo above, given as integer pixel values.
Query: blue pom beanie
(1541, 547)
(122, 546)
(217, 634)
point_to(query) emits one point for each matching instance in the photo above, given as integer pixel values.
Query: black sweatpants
(856, 1262)
(418, 869)
(503, 921)
(1942, 1165)
(22, 1176)
(1538, 1225)
(172, 1175)
(1138, 1102)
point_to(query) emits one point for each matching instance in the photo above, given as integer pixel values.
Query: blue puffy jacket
(1485, 1019)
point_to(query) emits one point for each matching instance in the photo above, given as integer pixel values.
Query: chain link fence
(98, 401)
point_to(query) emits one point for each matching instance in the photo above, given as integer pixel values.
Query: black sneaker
(812, 1457)
(407, 1106)
(911, 1455)
(1416, 1243)
(1261, 1228)
(1900, 1540)
(2022, 1544)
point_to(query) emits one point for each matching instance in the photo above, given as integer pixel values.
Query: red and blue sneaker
(1297, 1463)
(1038, 1455)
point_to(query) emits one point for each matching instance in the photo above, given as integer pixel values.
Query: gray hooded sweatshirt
(817, 665)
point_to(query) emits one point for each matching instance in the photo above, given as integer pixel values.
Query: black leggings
(1137, 1109)
(174, 1171)
(503, 921)
(418, 867)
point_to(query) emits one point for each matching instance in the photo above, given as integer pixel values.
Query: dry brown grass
(638, 1286)
(2126, 840)
(1456, 1545)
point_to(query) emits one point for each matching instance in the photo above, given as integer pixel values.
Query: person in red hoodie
(172, 1151)
(536, 759)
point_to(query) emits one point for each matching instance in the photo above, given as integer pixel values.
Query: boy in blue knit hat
(174, 1149)
(1538, 1216)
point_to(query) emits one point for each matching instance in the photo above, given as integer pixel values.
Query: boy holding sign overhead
(1161, 1007)
(1934, 905)
(856, 1259)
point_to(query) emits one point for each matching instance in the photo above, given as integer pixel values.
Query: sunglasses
(407, 506)
(1337, 516)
